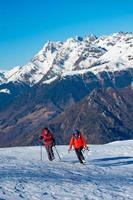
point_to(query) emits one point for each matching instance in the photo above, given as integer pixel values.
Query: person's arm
(84, 141)
(52, 139)
(41, 136)
(71, 143)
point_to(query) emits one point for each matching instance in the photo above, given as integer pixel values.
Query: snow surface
(107, 175)
(7, 91)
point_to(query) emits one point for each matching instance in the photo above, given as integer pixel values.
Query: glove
(41, 137)
(87, 148)
(69, 150)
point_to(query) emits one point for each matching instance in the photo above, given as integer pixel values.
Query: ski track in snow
(107, 175)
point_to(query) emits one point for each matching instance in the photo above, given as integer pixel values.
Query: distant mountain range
(54, 87)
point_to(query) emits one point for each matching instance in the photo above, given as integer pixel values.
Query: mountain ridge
(75, 55)
(58, 80)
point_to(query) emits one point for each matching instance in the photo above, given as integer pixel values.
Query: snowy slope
(5, 91)
(57, 58)
(107, 175)
(120, 52)
(76, 56)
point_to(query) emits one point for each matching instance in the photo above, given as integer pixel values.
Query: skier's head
(46, 130)
(76, 132)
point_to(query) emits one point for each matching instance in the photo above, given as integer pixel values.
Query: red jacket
(48, 138)
(78, 142)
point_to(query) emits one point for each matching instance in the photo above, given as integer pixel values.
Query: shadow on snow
(113, 161)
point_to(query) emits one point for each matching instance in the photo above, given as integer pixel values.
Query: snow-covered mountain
(54, 87)
(5, 91)
(107, 174)
(76, 56)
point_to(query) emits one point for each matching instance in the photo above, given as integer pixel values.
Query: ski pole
(57, 152)
(85, 149)
(41, 152)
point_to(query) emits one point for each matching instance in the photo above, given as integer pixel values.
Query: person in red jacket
(78, 142)
(49, 142)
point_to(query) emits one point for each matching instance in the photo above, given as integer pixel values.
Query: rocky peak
(106, 53)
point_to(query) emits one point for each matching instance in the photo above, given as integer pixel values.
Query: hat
(75, 132)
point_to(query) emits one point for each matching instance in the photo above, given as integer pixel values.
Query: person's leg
(81, 154)
(52, 153)
(49, 153)
(77, 151)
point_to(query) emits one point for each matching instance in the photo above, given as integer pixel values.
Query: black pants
(50, 153)
(80, 154)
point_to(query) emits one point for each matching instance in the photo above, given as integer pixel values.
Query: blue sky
(25, 25)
